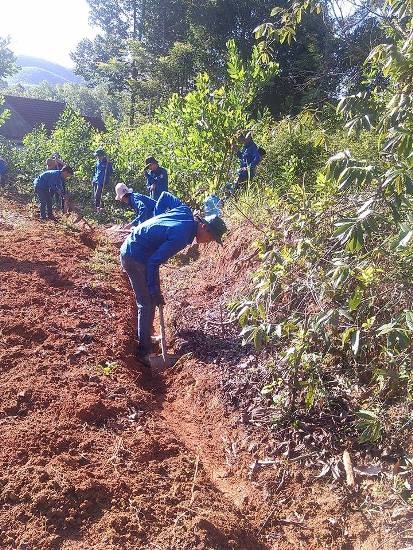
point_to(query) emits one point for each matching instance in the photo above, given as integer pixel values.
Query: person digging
(46, 185)
(151, 244)
(142, 205)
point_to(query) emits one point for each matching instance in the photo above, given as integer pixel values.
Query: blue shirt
(146, 207)
(153, 242)
(143, 206)
(166, 202)
(158, 179)
(103, 171)
(52, 180)
(249, 157)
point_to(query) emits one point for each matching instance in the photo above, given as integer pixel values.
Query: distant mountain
(34, 71)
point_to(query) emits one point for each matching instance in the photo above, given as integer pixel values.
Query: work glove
(157, 299)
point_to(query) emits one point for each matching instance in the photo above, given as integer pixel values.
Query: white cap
(121, 190)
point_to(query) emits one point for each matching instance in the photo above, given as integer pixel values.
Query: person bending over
(151, 244)
(49, 183)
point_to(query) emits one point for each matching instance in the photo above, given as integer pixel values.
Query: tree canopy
(151, 48)
(7, 59)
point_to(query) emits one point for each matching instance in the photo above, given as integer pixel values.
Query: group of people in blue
(163, 225)
(52, 182)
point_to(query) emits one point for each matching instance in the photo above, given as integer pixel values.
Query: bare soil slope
(94, 455)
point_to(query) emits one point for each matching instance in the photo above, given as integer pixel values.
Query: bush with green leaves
(331, 309)
(191, 135)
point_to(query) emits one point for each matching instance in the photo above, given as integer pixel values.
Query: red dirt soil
(95, 455)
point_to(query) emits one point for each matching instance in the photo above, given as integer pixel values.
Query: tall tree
(321, 50)
(149, 48)
(108, 58)
(7, 58)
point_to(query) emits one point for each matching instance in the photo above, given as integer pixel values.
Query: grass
(102, 261)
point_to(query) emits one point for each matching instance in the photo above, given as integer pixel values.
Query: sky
(48, 29)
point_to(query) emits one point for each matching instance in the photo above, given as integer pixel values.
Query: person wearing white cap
(142, 204)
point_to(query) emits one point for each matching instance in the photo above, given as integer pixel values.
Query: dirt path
(94, 456)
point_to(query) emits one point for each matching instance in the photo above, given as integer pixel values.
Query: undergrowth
(102, 260)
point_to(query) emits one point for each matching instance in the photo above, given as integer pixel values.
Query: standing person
(156, 177)
(101, 177)
(3, 170)
(151, 244)
(249, 157)
(48, 183)
(54, 162)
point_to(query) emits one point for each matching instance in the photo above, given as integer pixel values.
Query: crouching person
(48, 184)
(151, 244)
(142, 205)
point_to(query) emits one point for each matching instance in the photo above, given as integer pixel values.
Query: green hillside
(34, 71)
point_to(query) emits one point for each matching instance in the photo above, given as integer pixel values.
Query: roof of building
(28, 113)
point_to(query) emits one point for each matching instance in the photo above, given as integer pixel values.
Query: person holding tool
(156, 178)
(151, 244)
(141, 204)
(101, 177)
(46, 185)
(54, 162)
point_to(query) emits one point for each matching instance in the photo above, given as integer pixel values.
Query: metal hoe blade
(163, 361)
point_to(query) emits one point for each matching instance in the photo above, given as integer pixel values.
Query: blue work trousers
(97, 194)
(145, 308)
(45, 200)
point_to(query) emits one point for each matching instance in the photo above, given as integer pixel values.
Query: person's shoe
(53, 218)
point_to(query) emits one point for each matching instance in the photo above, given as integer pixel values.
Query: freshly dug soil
(97, 455)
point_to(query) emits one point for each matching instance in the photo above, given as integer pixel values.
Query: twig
(194, 480)
(267, 519)
(177, 519)
(220, 323)
(306, 455)
(277, 490)
(348, 467)
(221, 318)
(292, 522)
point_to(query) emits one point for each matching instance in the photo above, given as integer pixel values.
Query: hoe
(163, 361)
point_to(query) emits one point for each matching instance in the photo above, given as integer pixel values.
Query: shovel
(163, 361)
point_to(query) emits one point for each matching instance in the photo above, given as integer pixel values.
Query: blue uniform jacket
(249, 157)
(103, 171)
(159, 179)
(51, 180)
(155, 241)
(146, 207)
(143, 206)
